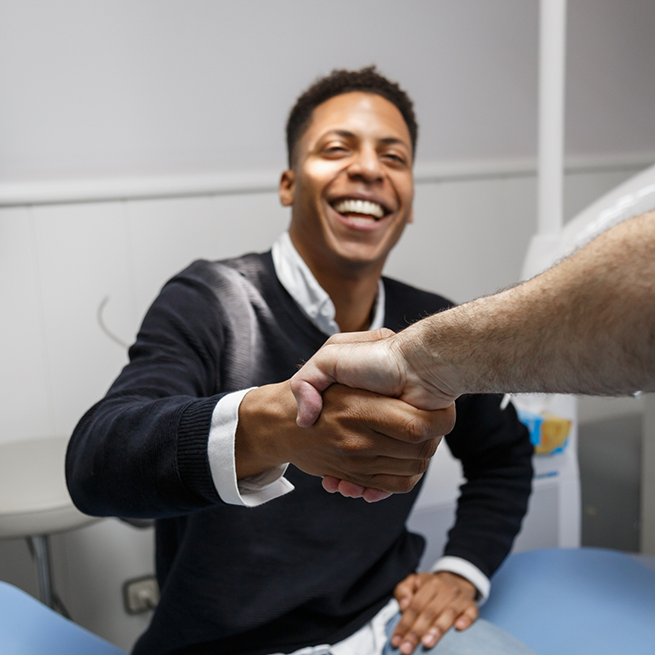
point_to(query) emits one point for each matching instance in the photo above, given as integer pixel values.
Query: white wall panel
(582, 188)
(91, 565)
(167, 235)
(468, 238)
(82, 251)
(114, 87)
(25, 401)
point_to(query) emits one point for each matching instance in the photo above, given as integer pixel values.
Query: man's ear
(411, 216)
(287, 188)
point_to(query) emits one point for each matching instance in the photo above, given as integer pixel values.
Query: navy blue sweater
(303, 569)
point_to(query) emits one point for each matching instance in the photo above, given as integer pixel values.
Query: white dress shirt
(316, 304)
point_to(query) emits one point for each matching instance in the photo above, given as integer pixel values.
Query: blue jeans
(482, 638)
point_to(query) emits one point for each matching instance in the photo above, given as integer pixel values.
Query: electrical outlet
(140, 594)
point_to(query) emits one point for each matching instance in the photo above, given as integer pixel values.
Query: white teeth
(352, 206)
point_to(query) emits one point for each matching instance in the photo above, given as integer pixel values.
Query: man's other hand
(431, 603)
(361, 438)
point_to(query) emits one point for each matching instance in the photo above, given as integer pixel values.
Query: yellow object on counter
(554, 433)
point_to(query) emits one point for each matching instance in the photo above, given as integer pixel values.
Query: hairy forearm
(585, 326)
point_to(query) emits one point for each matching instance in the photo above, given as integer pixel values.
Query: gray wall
(120, 87)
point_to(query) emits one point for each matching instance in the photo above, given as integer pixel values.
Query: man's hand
(360, 438)
(431, 603)
(365, 360)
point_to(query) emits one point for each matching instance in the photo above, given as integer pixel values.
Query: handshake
(405, 413)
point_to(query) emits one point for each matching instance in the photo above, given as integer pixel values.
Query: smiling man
(199, 430)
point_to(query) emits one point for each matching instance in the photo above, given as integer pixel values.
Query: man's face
(351, 188)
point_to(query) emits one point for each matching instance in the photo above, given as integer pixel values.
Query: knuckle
(405, 484)
(430, 614)
(407, 620)
(416, 429)
(451, 418)
(350, 447)
(448, 615)
(420, 466)
(446, 619)
(428, 448)
(452, 589)
(472, 611)
(415, 606)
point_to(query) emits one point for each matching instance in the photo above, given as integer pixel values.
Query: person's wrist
(259, 443)
(425, 352)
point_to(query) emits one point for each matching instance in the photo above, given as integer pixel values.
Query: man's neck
(353, 299)
(351, 288)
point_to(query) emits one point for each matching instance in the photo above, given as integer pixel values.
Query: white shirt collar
(298, 280)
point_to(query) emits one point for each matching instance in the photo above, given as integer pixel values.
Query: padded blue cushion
(28, 627)
(575, 601)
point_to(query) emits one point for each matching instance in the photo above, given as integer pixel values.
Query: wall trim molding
(64, 191)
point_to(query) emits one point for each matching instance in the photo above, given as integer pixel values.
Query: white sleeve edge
(467, 570)
(248, 492)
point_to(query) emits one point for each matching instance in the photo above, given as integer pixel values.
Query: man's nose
(366, 165)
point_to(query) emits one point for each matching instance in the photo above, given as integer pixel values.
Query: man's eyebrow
(392, 141)
(389, 140)
(344, 133)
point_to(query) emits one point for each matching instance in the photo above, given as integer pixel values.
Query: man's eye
(394, 158)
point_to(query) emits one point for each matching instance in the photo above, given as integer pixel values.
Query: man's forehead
(350, 113)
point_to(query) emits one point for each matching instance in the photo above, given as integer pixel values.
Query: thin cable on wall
(103, 326)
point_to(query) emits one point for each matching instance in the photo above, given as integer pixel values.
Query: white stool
(34, 501)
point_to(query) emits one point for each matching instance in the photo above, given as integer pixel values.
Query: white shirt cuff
(467, 570)
(248, 492)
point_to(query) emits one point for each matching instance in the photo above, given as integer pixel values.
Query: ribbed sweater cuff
(193, 434)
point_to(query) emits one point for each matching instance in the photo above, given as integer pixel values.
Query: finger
(393, 484)
(375, 495)
(457, 613)
(395, 418)
(388, 484)
(318, 374)
(430, 599)
(364, 361)
(468, 617)
(310, 402)
(419, 600)
(438, 603)
(367, 425)
(330, 484)
(375, 468)
(359, 337)
(405, 590)
(350, 490)
(430, 625)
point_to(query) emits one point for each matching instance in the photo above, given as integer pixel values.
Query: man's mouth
(357, 208)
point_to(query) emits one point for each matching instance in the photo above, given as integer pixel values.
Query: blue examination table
(558, 602)
(28, 627)
(575, 602)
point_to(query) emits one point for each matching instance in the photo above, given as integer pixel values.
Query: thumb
(320, 372)
(309, 400)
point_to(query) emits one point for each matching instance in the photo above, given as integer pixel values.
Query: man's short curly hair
(337, 83)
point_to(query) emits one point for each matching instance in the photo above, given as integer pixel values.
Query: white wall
(115, 87)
